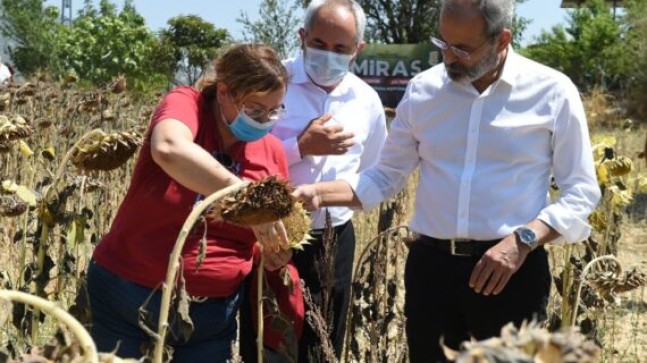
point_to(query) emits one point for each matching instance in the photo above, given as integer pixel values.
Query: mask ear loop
(224, 157)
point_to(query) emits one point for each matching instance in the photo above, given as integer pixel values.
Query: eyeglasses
(262, 115)
(460, 53)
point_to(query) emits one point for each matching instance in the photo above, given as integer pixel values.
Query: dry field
(57, 199)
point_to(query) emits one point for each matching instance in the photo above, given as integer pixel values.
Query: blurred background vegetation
(597, 47)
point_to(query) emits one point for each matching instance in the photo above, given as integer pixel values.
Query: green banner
(389, 67)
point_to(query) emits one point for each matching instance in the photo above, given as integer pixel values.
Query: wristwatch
(527, 237)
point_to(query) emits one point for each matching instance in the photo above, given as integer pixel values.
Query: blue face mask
(247, 129)
(326, 68)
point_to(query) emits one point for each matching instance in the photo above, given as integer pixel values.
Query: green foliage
(102, 43)
(187, 46)
(588, 49)
(634, 49)
(31, 30)
(277, 26)
(519, 25)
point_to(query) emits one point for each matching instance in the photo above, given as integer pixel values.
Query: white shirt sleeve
(375, 139)
(573, 170)
(398, 158)
(291, 146)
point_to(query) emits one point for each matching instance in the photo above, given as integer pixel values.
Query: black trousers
(440, 304)
(306, 262)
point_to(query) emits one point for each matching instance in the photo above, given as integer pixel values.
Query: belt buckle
(452, 247)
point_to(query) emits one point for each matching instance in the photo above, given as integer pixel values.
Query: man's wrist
(527, 237)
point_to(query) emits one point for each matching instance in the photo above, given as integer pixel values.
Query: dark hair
(498, 14)
(245, 69)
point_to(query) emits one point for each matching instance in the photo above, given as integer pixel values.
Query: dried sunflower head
(297, 226)
(118, 86)
(263, 201)
(106, 151)
(26, 90)
(619, 166)
(530, 344)
(609, 283)
(5, 146)
(12, 205)
(14, 129)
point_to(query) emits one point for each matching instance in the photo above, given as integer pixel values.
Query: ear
(505, 38)
(302, 37)
(360, 46)
(222, 91)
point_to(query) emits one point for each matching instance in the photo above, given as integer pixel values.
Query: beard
(459, 72)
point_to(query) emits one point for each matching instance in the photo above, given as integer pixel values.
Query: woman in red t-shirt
(199, 141)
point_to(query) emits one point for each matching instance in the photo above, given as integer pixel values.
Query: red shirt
(139, 243)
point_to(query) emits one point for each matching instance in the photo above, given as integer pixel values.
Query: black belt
(458, 247)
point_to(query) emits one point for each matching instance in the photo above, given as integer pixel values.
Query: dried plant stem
(44, 235)
(66, 158)
(82, 336)
(174, 264)
(259, 306)
(383, 237)
(585, 270)
(567, 281)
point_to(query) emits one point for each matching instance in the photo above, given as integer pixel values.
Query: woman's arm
(173, 149)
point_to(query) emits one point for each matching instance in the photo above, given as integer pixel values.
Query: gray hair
(352, 5)
(498, 14)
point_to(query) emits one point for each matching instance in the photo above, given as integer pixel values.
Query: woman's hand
(274, 261)
(272, 236)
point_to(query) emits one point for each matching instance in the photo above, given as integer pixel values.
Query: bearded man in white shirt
(333, 127)
(488, 128)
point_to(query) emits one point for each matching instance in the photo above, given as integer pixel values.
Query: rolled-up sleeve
(292, 152)
(574, 171)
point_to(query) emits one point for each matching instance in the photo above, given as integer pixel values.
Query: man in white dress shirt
(488, 128)
(334, 127)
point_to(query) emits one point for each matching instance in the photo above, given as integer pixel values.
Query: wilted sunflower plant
(245, 204)
(40, 121)
(592, 279)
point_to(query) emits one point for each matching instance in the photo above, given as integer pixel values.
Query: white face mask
(326, 68)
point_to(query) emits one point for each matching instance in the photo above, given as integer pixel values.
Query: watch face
(527, 236)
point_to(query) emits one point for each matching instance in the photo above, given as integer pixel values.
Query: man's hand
(497, 266)
(321, 139)
(272, 236)
(307, 194)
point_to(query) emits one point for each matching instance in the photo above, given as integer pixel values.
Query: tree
(31, 30)
(101, 43)
(277, 26)
(587, 49)
(634, 51)
(187, 46)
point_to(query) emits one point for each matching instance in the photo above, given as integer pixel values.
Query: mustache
(456, 68)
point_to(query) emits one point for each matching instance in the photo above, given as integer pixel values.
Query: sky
(223, 13)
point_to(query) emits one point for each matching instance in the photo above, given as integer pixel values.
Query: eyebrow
(255, 103)
(459, 45)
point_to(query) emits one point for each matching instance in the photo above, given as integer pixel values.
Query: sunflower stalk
(83, 337)
(174, 264)
(44, 233)
(259, 306)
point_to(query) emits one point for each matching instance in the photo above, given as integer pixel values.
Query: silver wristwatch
(527, 237)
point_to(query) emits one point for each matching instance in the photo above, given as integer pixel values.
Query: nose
(448, 56)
